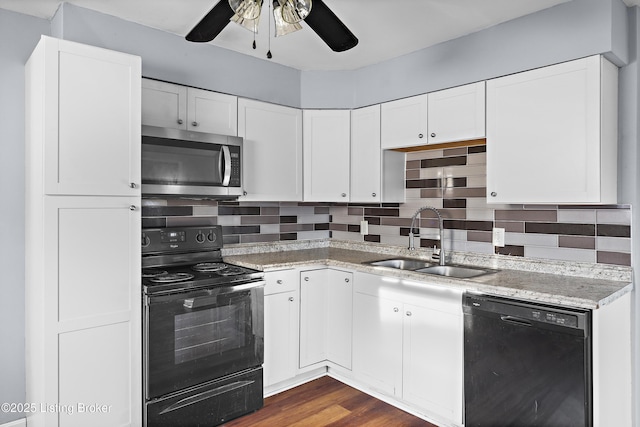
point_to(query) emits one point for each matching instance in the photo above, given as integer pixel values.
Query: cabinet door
(377, 342)
(456, 114)
(92, 121)
(326, 137)
(92, 321)
(365, 155)
(544, 135)
(432, 360)
(339, 317)
(272, 151)
(313, 309)
(164, 104)
(404, 122)
(280, 337)
(212, 112)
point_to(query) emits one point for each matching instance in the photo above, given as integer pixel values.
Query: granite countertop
(559, 283)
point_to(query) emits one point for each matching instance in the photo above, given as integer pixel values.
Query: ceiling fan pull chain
(269, 56)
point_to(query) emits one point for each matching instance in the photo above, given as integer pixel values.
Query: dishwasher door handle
(516, 320)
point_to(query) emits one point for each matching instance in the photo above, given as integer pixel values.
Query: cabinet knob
(346, 279)
(244, 193)
(180, 121)
(279, 281)
(494, 194)
(194, 124)
(132, 208)
(420, 136)
(408, 313)
(344, 194)
(133, 185)
(291, 299)
(373, 194)
(433, 135)
(306, 279)
(396, 309)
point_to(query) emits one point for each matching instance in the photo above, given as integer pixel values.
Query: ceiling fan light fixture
(294, 11)
(283, 27)
(249, 24)
(246, 9)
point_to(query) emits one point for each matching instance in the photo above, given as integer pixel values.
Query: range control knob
(211, 236)
(200, 238)
(145, 240)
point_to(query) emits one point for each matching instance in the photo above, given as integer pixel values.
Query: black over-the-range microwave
(190, 164)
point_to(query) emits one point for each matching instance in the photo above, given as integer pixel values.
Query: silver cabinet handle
(291, 299)
(133, 185)
(420, 136)
(396, 309)
(279, 281)
(494, 194)
(132, 208)
(306, 279)
(433, 135)
(409, 313)
(344, 194)
(346, 279)
(180, 121)
(244, 193)
(373, 194)
(194, 123)
(226, 154)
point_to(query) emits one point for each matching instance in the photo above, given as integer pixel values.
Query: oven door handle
(204, 301)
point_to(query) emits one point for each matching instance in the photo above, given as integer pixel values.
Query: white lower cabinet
(408, 343)
(281, 308)
(325, 317)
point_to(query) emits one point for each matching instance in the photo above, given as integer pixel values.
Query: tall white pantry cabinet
(83, 303)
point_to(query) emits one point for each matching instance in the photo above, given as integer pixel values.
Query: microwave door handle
(226, 154)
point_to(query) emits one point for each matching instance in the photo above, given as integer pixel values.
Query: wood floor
(326, 402)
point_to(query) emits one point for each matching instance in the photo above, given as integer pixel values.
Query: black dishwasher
(526, 364)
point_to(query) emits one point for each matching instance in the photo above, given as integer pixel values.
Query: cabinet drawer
(281, 281)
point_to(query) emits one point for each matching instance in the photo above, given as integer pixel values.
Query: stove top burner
(172, 278)
(232, 270)
(152, 272)
(210, 267)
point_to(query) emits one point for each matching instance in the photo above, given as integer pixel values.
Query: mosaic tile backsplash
(451, 180)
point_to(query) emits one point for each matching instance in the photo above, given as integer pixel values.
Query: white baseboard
(22, 422)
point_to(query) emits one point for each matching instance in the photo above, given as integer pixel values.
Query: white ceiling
(385, 28)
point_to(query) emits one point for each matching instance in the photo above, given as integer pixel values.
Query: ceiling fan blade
(330, 29)
(212, 23)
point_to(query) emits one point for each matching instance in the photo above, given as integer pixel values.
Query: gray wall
(571, 30)
(169, 57)
(568, 31)
(18, 36)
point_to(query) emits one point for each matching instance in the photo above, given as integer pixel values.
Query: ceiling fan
(287, 16)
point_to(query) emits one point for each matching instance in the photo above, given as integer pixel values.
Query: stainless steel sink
(401, 263)
(456, 271)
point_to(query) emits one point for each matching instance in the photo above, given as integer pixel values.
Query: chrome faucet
(441, 234)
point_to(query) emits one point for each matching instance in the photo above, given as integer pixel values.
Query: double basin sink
(419, 266)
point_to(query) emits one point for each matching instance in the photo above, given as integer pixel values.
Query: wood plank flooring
(326, 402)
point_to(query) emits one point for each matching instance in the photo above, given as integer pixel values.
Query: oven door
(198, 336)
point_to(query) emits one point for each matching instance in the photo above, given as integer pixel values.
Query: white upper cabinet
(91, 129)
(366, 164)
(179, 107)
(272, 151)
(456, 114)
(404, 122)
(326, 138)
(164, 104)
(552, 134)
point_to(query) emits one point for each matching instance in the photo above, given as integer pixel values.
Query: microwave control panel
(236, 172)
